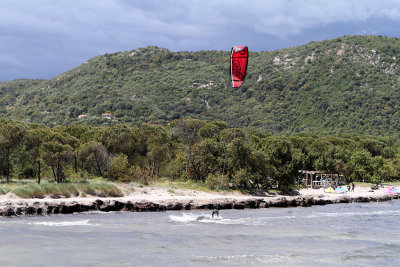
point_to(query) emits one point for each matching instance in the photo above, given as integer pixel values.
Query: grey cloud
(293, 17)
(63, 34)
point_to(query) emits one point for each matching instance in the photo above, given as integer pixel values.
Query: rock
(363, 199)
(319, 201)
(174, 206)
(226, 205)
(149, 206)
(280, 202)
(129, 206)
(30, 210)
(188, 206)
(8, 212)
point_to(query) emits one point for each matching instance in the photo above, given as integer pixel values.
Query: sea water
(334, 235)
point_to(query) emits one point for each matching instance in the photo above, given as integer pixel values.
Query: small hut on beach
(318, 179)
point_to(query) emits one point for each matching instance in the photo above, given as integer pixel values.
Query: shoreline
(155, 199)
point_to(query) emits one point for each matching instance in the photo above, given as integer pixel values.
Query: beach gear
(391, 190)
(329, 190)
(340, 190)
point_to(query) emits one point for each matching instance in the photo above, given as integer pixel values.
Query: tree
(160, 148)
(34, 140)
(123, 139)
(206, 158)
(119, 168)
(188, 132)
(95, 157)
(212, 129)
(239, 155)
(342, 169)
(283, 160)
(389, 170)
(57, 153)
(360, 166)
(65, 138)
(11, 136)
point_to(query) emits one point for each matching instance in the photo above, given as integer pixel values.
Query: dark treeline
(209, 153)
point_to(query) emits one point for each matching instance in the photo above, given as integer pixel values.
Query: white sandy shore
(358, 192)
(162, 195)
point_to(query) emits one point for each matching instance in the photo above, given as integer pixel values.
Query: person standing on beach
(352, 187)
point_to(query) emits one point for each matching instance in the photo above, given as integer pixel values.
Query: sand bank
(163, 199)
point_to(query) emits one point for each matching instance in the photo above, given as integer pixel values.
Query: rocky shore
(31, 207)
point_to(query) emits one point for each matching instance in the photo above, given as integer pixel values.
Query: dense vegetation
(204, 152)
(346, 85)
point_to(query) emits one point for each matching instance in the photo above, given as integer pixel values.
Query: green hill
(349, 84)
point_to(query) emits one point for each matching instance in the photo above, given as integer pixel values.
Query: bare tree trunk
(98, 166)
(75, 163)
(58, 172)
(38, 162)
(8, 165)
(54, 173)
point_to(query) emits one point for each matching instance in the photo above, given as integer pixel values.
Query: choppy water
(341, 235)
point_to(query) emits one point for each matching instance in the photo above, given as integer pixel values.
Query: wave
(350, 214)
(66, 223)
(249, 259)
(271, 219)
(205, 218)
(186, 218)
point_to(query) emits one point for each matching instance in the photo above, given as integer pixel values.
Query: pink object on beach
(392, 190)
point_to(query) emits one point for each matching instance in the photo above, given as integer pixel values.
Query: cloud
(63, 34)
(287, 18)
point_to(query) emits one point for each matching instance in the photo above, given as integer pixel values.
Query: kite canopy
(239, 57)
(329, 190)
(393, 190)
(340, 190)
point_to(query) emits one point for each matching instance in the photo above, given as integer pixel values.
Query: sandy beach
(162, 199)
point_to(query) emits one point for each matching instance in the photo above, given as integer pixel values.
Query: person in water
(352, 187)
(215, 211)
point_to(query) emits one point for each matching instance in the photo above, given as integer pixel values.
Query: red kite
(239, 57)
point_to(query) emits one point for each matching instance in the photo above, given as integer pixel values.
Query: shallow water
(342, 234)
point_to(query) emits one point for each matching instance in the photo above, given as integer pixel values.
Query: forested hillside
(349, 84)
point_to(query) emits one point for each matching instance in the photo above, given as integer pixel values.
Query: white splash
(66, 223)
(186, 218)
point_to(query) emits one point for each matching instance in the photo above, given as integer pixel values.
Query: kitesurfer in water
(215, 211)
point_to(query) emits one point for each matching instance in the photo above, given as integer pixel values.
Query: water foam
(66, 223)
(186, 218)
(247, 259)
(206, 218)
(350, 214)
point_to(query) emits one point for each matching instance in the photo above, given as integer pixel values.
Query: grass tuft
(4, 190)
(66, 190)
(29, 191)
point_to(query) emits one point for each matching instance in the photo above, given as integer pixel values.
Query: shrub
(119, 168)
(217, 181)
(138, 174)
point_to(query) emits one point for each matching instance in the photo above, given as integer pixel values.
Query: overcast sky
(44, 38)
